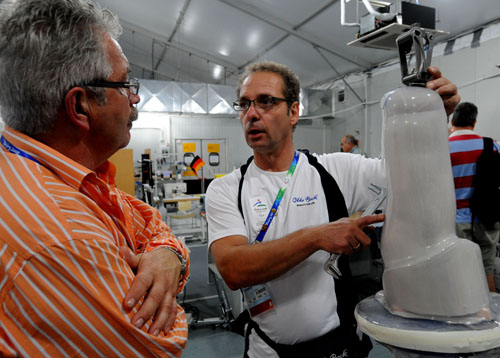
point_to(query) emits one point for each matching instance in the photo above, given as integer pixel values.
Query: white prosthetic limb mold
(429, 272)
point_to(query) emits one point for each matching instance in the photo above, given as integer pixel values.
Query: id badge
(258, 299)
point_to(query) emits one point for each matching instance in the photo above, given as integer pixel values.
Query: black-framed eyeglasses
(263, 101)
(132, 84)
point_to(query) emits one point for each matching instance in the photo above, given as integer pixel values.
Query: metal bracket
(421, 43)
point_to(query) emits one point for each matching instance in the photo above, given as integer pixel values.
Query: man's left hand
(445, 88)
(157, 280)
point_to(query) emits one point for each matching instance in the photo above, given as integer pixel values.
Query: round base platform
(427, 335)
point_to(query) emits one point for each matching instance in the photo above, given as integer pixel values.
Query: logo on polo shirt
(259, 206)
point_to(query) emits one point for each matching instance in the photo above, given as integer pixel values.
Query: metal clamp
(332, 264)
(421, 42)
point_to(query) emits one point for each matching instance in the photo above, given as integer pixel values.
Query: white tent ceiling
(211, 41)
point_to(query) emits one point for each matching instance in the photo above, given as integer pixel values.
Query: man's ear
(294, 113)
(77, 106)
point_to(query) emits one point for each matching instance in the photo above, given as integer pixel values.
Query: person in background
(86, 269)
(349, 144)
(275, 249)
(465, 148)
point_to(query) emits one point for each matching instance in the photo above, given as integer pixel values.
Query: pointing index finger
(365, 221)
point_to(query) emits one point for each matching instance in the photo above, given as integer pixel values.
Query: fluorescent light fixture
(253, 38)
(224, 52)
(217, 72)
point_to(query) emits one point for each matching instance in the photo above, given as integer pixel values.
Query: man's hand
(157, 280)
(346, 236)
(445, 88)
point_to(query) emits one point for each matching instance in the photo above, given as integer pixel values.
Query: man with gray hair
(274, 222)
(86, 269)
(349, 144)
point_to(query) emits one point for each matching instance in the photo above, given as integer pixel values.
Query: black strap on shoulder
(334, 199)
(488, 144)
(487, 150)
(243, 170)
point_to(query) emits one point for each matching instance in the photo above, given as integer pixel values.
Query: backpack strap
(334, 198)
(487, 150)
(488, 144)
(243, 170)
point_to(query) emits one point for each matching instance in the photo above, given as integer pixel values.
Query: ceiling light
(224, 52)
(253, 39)
(217, 72)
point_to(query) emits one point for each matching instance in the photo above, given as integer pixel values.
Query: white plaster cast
(429, 272)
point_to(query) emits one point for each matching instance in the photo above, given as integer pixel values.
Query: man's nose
(134, 98)
(252, 111)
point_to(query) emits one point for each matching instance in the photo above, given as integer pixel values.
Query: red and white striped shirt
(62, 279)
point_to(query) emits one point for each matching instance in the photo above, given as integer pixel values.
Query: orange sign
(213, 147)
(189, 147)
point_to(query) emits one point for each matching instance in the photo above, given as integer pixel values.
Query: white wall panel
(310, 136)
(145, 138)
(349, 117)
(485, 91)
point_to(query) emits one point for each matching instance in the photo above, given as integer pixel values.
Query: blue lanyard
(277, 201)
(13, 149)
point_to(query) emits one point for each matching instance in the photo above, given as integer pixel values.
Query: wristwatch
(181, 259)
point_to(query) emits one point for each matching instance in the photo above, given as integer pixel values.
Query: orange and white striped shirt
(62, 279)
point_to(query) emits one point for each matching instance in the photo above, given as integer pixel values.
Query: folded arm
(70, 295)
(158, 270)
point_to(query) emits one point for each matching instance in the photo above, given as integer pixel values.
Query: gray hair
(291, 83)
(349, 138)
(46, 48)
